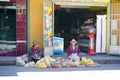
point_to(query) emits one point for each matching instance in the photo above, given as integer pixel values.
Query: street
(104, 72)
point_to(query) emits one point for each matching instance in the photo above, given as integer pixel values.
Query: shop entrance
(76, 23)
(7, 26)
(13, 28)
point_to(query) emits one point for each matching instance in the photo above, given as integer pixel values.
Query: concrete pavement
(109, 70)
(100, 58)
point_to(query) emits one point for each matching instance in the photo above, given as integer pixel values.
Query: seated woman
(73, 50)
(34, 52)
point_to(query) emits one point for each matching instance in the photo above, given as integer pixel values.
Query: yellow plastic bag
(41, 64)
(47, 61)
(84, 59)
(77, 63)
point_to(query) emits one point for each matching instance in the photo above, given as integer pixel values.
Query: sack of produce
(82, 64)
(74, 57)
(63, 62)
(77, 63)
(41, 64)
(20, 61)
(56, 64)
(70, 63)
(91, 63)
(30, 64)
(25, 57)
(52, 60)
(84, 59)
(47, 61)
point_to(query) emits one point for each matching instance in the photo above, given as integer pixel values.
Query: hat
(73, 40)
(35, 42)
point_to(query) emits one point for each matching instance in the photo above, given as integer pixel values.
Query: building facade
(112, 9)
(29, 24)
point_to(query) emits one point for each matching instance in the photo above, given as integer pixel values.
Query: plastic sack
(77, 63)
(25, 57)
(84, 59)
(20, 61)
(63, 62)
(56, 64)
(47, 61)
(74, 57)
(91, 63)
(70, 63)
(52, 60)
(30, 64)
(41, 64)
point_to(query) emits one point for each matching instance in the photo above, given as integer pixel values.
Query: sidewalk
(101, 58)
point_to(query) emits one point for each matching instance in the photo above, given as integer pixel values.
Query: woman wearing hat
(73, 50)
(34, 52)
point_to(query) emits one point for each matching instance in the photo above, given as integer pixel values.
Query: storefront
(13, 28)
(44, 33)
(69, 22)
(76, 22)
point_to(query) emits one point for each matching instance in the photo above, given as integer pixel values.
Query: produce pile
(59, 62)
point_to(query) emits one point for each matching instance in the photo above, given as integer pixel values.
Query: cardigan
(71, 51)
(31, 53)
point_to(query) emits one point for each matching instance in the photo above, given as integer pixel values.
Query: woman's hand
(36, 56)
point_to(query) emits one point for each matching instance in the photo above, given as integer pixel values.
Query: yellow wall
(36, 21)
(115, 1)
(102, 0)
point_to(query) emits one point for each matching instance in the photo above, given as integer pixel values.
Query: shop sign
(20, 9)
(48, 31)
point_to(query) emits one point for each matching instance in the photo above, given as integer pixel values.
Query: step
(7, 60)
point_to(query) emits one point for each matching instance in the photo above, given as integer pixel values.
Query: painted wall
(36, 21)
(83, 0)
(101, 0)
(115, 1)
